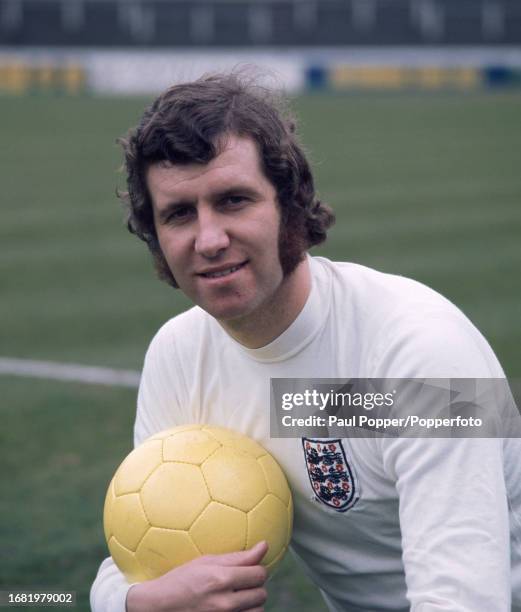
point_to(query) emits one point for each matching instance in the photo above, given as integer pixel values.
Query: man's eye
(179, 214)
(235, 200)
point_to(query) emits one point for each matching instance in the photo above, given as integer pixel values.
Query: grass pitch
(427, 187)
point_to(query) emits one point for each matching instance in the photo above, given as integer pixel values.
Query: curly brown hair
(186, 124)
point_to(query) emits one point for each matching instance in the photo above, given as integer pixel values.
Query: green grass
(60, 445)
(427, 187)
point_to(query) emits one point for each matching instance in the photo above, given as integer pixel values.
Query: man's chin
(229, 316)
(231, 313)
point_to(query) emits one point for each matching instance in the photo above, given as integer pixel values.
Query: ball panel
(269, 521)
(234, 478)
(137, 467)
(174, 495)
(129, 522)
(126, 561)
(277, 483)
(192, 446)
(274, 562)
(108, 510)
(165, 433)
(161, 550)
(219, 529)
(233, 439)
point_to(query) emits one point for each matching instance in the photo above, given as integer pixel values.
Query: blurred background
(410, 111)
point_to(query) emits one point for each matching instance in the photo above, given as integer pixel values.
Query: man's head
(189, 124)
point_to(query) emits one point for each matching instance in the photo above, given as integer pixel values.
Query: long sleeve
(452, 496)
(156, 411)
(454, 523)
(109, 590)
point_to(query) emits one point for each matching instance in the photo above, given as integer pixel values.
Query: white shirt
(437, 524)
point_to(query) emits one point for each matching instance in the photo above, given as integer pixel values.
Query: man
(219, 189)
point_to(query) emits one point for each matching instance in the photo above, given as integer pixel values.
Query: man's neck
(262, 327)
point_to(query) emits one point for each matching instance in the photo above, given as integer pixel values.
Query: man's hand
(214, 583)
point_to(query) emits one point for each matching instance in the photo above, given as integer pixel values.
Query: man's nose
(212, 235)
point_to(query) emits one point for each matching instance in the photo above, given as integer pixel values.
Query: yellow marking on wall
(392, 77)
(18, 77)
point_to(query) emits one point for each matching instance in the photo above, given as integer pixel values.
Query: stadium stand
(277, 23)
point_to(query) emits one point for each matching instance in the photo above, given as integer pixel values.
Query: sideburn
(163, 271)
(293, 242)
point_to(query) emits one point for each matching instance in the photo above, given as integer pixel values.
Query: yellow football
(195, 490)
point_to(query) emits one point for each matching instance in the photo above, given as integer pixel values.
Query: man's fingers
(249, 577)
(252, 556)
(248, 599)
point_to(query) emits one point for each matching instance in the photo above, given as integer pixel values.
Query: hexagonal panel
(192, 446)
(129, 522)
(136, 468)
(277, 483)
(269, 521)
(233, 439)
(161, 550)
(234, 478)
(219, 529)
(174, 495)
(126, 561)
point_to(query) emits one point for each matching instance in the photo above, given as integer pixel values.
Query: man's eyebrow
(234, 190)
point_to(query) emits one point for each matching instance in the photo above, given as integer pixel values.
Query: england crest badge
(332, 479)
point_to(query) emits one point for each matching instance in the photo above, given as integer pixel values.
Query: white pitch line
(69, 372)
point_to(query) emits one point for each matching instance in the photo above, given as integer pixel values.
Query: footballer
(221, 191)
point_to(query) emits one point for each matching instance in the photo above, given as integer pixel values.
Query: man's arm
(454, 523)
(109, 590)
(233, 581)
(228, 582)
(155, 411)
(452, 493)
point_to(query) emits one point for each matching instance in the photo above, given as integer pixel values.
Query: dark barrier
(220, 23)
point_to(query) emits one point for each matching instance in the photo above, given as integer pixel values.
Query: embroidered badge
(332, 478)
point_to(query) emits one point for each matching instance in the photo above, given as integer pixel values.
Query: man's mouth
(223, 272)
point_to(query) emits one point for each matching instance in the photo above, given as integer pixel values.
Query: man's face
(218, 228)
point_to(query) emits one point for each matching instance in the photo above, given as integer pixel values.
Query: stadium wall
(132, 72)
